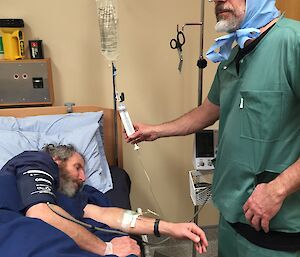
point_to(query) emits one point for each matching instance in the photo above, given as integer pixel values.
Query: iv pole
(201, 63)
(116, 147)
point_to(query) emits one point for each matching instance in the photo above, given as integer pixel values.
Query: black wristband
(155, 230)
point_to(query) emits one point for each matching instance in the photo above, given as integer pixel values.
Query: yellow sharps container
(13, 38)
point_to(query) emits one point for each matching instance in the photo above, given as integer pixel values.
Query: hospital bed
(91, 130)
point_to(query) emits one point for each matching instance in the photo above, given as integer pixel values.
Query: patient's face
(72, 175)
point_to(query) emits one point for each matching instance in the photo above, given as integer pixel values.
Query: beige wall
(290, 7)
(147, 73)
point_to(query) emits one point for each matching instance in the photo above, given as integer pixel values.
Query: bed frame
(109, 134)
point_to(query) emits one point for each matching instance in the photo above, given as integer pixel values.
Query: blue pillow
(59, 126)
(13, 143)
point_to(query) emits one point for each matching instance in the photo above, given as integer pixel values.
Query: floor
(180, 248)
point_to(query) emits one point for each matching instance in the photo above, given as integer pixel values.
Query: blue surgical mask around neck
(258, 14)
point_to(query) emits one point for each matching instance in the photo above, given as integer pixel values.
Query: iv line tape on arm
(129, 219)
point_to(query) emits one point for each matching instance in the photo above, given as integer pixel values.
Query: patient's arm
(113, 217)
(84, 239)
(79, 234)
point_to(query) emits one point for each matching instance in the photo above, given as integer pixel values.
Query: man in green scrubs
(256, 98)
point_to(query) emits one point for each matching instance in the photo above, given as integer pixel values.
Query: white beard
(68, 187)
(227, 26)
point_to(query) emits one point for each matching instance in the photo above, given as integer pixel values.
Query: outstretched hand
(192, 232)
(143, 132)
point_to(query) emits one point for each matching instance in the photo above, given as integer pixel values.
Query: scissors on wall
(177, 43)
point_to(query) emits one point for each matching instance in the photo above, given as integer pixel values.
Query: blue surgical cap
(258, 14)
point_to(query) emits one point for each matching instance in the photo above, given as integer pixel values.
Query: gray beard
(67, 187)
(227, 26)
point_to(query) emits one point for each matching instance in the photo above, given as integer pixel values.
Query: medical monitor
(205, 149)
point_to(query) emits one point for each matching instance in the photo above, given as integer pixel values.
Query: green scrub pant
(231, 244)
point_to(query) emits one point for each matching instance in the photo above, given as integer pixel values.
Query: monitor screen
(205, 143)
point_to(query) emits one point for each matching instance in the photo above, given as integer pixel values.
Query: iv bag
(108, 25)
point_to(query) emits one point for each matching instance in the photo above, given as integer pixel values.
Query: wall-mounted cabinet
(26, 83)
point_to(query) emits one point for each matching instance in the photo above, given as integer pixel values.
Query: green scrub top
(259, 123)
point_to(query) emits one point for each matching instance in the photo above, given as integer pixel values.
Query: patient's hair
(62, 152)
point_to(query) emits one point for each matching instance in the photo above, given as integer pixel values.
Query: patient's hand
(124, 246)
(186, 231)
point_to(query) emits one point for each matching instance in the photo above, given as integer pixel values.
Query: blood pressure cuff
(36, 177)
(35, 186)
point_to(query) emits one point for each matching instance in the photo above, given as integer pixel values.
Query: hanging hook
(192, 24)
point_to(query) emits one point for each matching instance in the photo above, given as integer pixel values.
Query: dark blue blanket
(21, 236)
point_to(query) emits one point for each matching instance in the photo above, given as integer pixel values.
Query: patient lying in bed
(55, 177)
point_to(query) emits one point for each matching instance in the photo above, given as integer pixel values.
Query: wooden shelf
(26, 60)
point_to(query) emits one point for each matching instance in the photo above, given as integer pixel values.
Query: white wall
(147, 73)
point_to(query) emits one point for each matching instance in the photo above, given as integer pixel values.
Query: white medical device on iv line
(125, 118)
